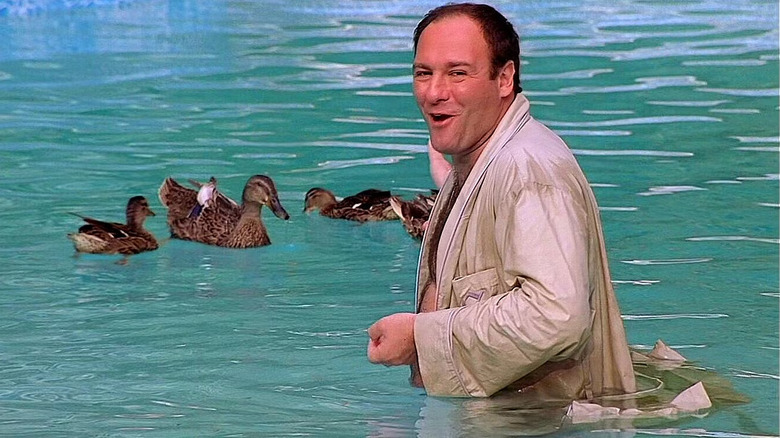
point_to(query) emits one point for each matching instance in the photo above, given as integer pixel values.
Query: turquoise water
(671, 108)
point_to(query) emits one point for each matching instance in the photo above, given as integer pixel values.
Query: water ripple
(577, 74)
(637, 282)
(636, 121)
(391, 133)
(632, 152)
(758, 149)
(643, 84)
(380, 93)
(688, 103)
(380, 146)
(726, 63)
(697, 433)
(735, 110)
(179, 405)
(767, 92)
(669, 190)
(766, 177)
(343, 164)
(675, 316)
(733, 238)
(755, 375)
(574, 132)
(746, 139)
(641, 262)
(618, 208)
(608, 112)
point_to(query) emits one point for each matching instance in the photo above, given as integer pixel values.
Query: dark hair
(499, 33)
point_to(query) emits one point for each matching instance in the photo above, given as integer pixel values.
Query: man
(513, 288)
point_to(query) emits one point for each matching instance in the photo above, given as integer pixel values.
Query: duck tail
(397, 205)
(77, 215)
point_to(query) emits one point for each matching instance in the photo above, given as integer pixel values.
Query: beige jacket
(524, 298)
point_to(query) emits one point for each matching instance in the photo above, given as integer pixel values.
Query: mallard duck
(414, 214)
(209, 217)
(99, 237)
(368, 205)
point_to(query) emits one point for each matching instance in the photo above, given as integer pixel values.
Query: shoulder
(535, 150)
(536, 158)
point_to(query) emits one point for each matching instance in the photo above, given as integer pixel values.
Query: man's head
(461, 91)
(501, 37)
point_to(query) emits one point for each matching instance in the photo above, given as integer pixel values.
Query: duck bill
(277, 209)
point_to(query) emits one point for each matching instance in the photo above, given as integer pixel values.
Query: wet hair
(499, 33)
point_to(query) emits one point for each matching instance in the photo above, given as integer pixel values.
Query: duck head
(137, 210)
(318, 198)
(261, 189)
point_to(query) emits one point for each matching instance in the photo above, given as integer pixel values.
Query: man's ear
(506, 77)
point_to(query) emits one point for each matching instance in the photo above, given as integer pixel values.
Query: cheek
(419, 94)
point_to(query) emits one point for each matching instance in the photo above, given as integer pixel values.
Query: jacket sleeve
(542, 312)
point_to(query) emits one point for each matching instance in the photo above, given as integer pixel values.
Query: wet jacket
(524, 299)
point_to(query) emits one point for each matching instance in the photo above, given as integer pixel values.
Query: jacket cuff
(433, 340)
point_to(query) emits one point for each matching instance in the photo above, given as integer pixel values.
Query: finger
(375, 331)
(374, 351)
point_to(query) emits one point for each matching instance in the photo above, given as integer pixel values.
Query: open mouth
(440, 117)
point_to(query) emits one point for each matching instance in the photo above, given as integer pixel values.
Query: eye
(421, 73)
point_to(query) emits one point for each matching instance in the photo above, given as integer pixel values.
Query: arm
(439, 166)
(541, 237)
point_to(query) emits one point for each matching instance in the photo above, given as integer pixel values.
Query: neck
(250, 209)
(461, 168)
(135, 223)
(462, 164)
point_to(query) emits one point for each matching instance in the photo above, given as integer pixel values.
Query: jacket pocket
(476, 287)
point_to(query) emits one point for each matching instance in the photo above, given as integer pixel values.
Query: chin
(443, 148)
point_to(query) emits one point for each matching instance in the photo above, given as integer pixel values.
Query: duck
(207, 216)
(368, 205)
(100, 237)
(414, 214)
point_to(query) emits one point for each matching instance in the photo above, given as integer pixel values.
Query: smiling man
(513, 288)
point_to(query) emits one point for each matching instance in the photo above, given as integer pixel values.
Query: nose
(437, 89)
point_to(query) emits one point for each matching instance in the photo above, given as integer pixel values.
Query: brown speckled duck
(414, 214)
(209, 217)
(368, 205)
(99, 237)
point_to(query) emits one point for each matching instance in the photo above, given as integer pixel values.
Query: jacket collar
(515, 118)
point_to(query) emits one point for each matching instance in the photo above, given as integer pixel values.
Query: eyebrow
(449, 65)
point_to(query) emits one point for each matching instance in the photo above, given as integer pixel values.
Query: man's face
(461, 104)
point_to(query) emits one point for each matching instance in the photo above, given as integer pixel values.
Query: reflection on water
(671, 109)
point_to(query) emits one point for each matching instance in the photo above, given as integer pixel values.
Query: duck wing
(133, 244)
(211, 226)
(368, 205)
(102, 229)
(365, 199)
(179, 200)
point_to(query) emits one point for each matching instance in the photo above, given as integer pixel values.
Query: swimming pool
(671, 108)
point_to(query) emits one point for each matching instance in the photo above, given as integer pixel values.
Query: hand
(392, 340)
